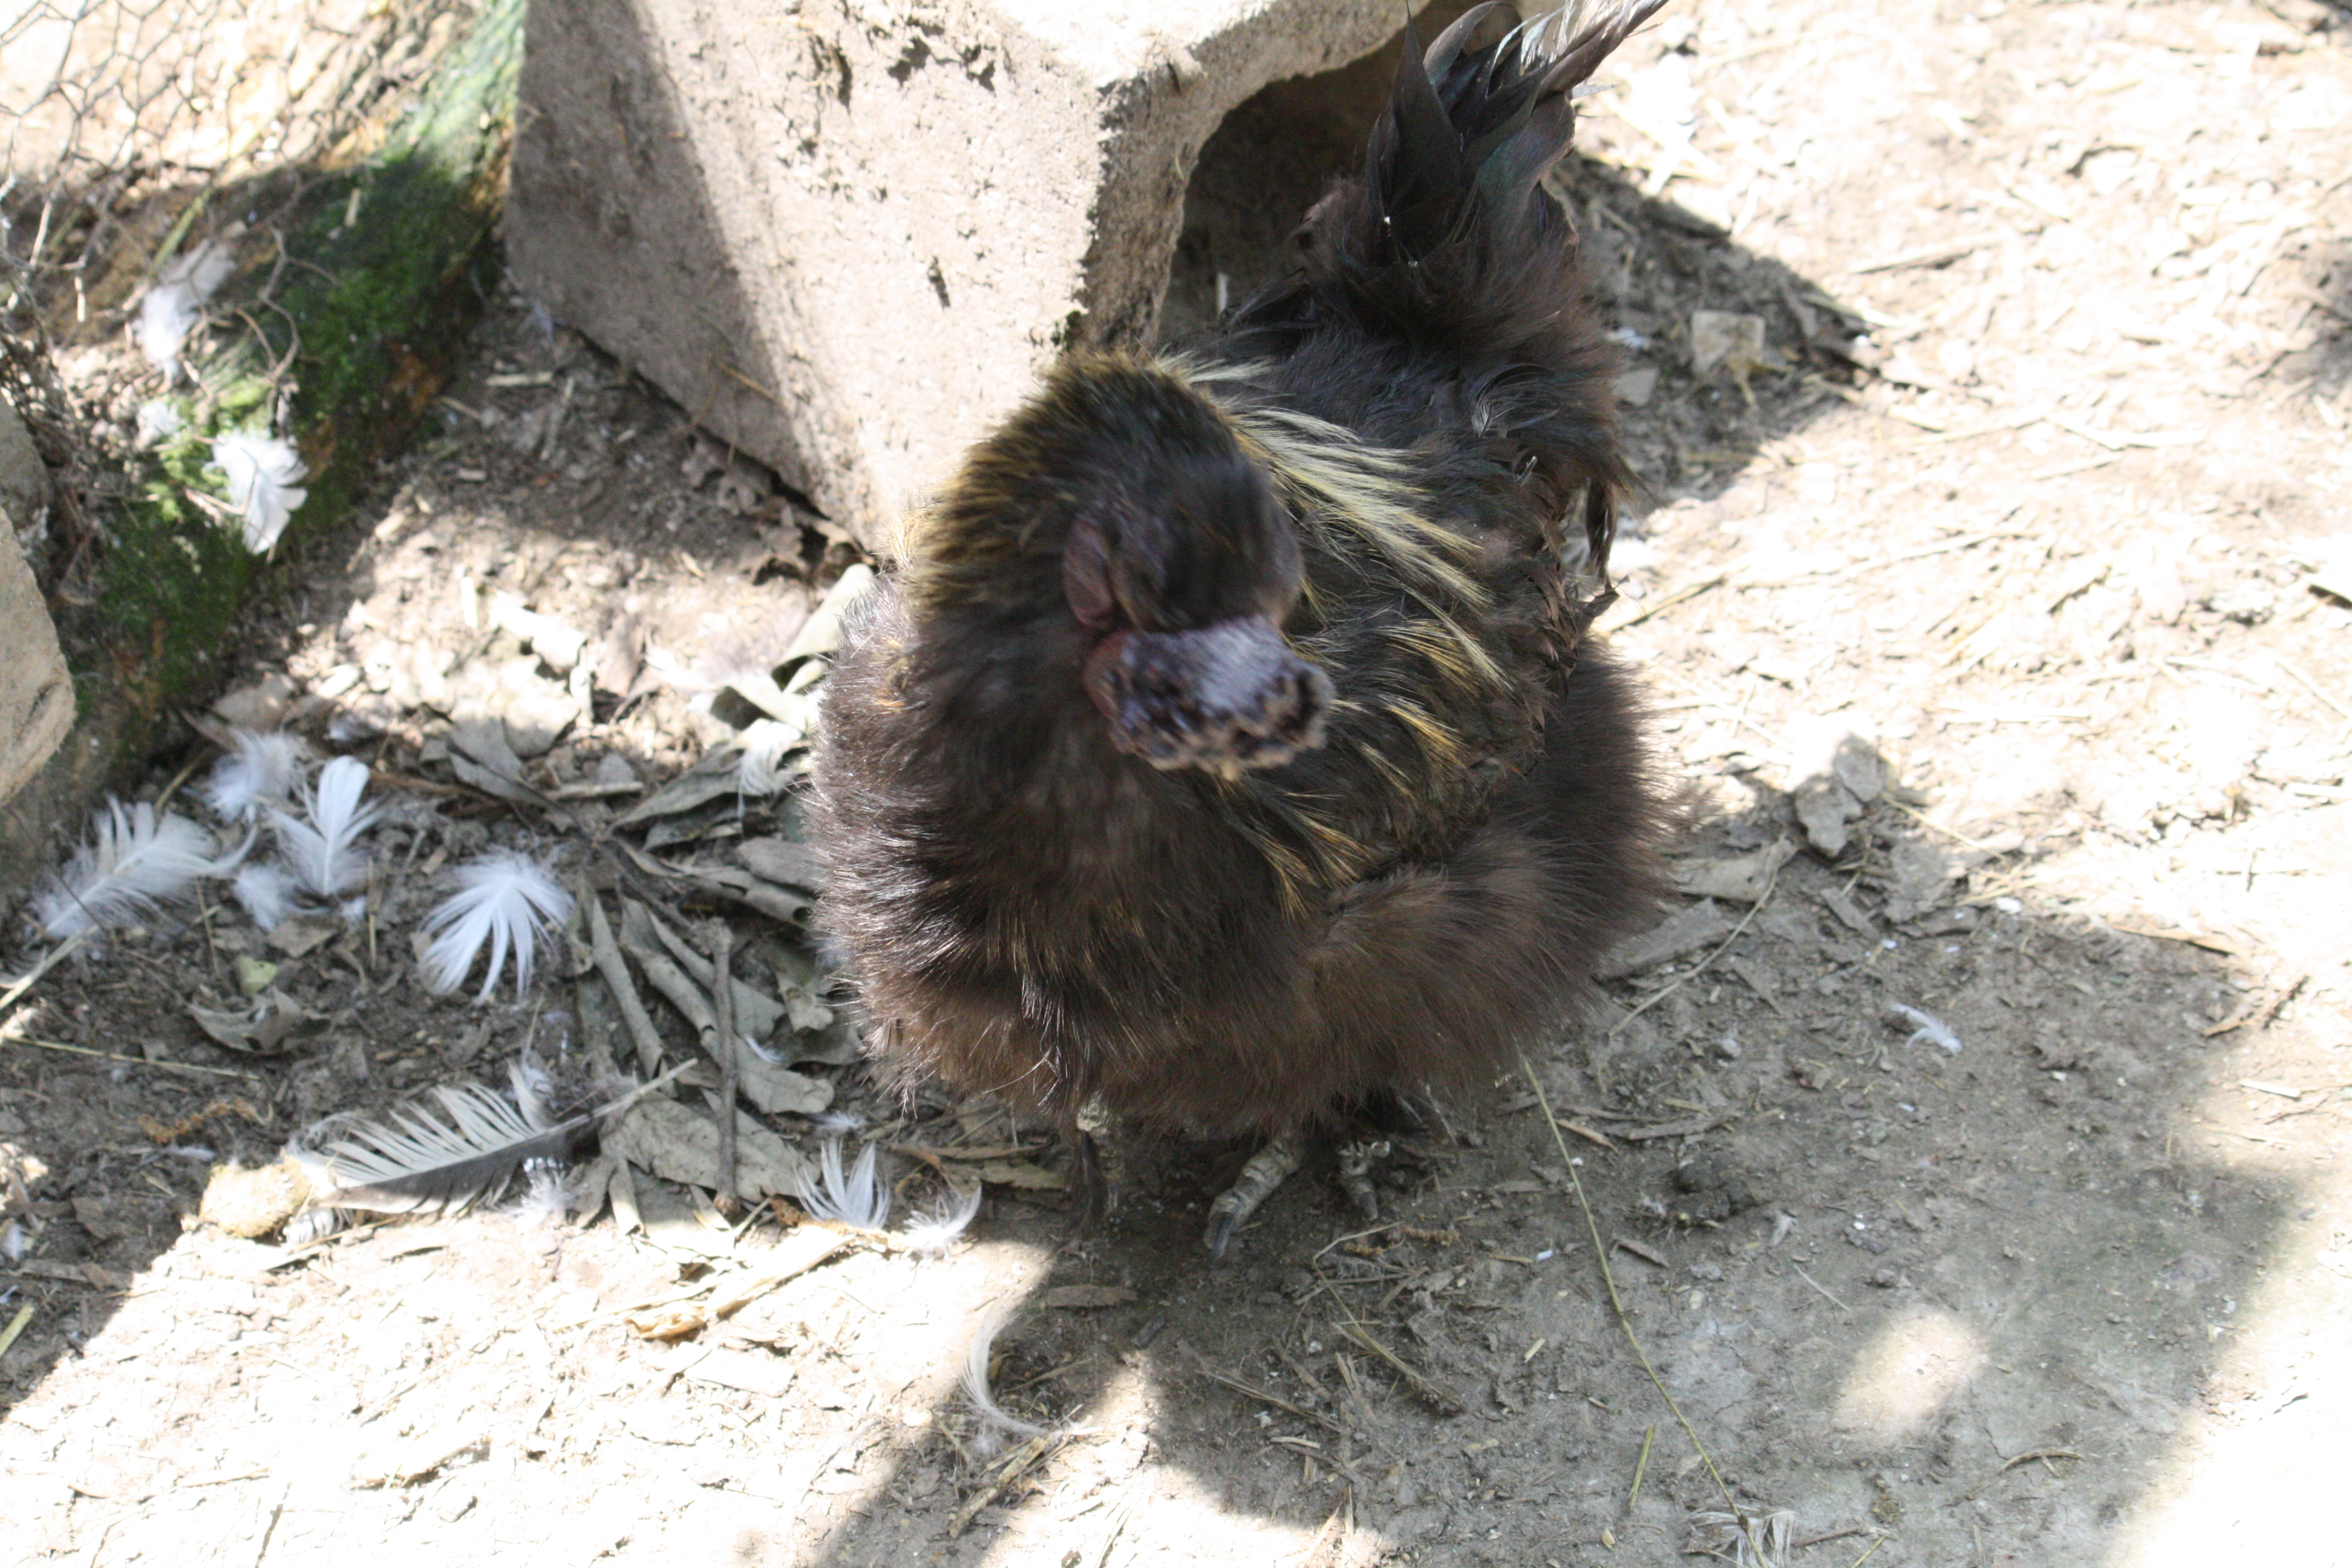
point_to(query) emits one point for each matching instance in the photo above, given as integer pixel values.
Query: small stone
(1731, 339)
(1635, 386)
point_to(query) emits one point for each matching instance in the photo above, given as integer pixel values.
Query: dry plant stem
(178, 780)
(48, 961)
(12, 1037)
(2313, 686)
(615, 970)
(15, 1326)
(1014, 1463)
(1659, 607)
(1609, 1279)
(1641, 1466)
(1696, 970)
(1922, 819)
(721, 937)
(1445, 1402)
(1262, 1397)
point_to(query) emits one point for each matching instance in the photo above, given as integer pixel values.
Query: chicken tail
(1447, 239)
(1473, 127)
(1448, 248)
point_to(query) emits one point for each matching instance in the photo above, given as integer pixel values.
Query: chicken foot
(1266, 1170)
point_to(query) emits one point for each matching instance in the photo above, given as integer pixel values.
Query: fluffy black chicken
(1227, 752)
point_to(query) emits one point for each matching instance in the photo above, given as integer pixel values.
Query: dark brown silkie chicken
(1227, 752)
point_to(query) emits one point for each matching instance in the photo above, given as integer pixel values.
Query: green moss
(387, 262)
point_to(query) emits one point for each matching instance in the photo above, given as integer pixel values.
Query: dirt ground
(2036, 487)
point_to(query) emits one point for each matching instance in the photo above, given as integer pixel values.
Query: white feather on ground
(975, 1378)
(174, 302)
(938, 1230)
(267, 891)
(261, 768)
(995, 1422)
(322, 853)
(1930, 1028)
(861, 1198)
(135, 861)
(503, 898)
(264, 484)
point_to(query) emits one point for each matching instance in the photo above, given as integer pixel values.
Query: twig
(615, 972)
(1945, 548)
(1928, 255)
(1659, 606)
(1641, 1465)
(25, 983)
(1817, 1285)
(720, 938)
(1616, 1302)
(1657, 996)
(2299, 678)
(2011, 1463)
(16, 1327)
(1446, 1403)
(13, 1036)
(1262, 1396)
(1014, 1463)
(178, 780)
(1921, 819)
(2062, 469)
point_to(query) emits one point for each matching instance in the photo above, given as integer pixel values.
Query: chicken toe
(1265, 1170)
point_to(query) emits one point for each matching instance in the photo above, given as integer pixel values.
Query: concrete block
(36, 706)
(845, 234)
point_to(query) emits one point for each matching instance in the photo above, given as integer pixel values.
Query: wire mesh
(136, 132)
(110, 106)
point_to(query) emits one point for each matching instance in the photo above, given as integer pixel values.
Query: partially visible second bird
(1228, 752)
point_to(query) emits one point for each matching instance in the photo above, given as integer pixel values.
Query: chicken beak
(1227, 697)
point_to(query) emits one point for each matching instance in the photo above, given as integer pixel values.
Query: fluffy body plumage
(1228, 750)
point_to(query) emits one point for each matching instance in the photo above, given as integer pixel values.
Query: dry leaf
(679, 1145)
(1020, 1174)
(1085, 1297)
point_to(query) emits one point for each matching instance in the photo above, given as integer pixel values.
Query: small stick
(720, 938)
(1262, 1397)
(16, 1327)
(2010, 1464)
(25, 983)
(1657, 996)
(1019, 1460)
(1660, 606)
(1641, 1465)
(1609, 1280)
(1446, 1403)
(2313, 686)
(1817, 1285)
(615, 972)
(12, 1038)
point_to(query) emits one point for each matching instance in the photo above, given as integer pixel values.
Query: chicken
(1227, 752)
